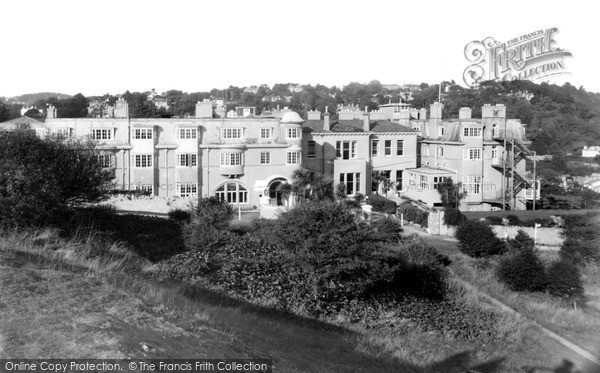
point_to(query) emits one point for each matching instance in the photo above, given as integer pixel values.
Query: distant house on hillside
(590, 151)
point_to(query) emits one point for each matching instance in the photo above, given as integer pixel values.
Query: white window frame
(232, 159)
(105, 160)
(187, 160)
(472, 154)
(399, 147)
(232, 133)
(100, 134)
(472, 184)
(237, 195)
(266, 133)
(354, 181)
(187, 133)
(144, 188)
(265, 157)
(472, 132)
(375, 148)
(293, 157)
(142, 133)
(187, 189)
(293, 133)
(143, 160)
(387, 148)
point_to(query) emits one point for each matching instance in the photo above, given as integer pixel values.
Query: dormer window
(142, 133)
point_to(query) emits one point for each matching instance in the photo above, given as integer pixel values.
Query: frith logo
(531, 56)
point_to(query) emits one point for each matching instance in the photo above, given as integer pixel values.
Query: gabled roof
(22, 123)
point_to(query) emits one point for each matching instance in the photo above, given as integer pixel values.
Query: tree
(40, 177)
(477, 239)
(523, 271)
(450, 193)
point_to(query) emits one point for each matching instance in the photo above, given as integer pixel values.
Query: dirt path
(449, 246)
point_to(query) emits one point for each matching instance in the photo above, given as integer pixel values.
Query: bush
(40, 177)
(494, 220)
(523, 271)
(564, 280)
(382, 204)
(578, 251)
(513, 220)
(180, 216)
(453, 217)
(414, 214)
(521, 242)
(477, 239)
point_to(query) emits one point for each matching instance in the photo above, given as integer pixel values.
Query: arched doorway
(275, 195)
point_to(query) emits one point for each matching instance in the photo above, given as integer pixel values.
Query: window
(148, 188)
(232, 193)
(293, 133)
(187, 160)
(440, 151)
(101, 134)
(472, 153)
(437, 180)
(471, 132)
(399, 147)
(265, 133)
(388, 147)
(105, 160)
(442, 130)
(232, 159)
(375, 148)
(494, 152)
(187, 133)
(231, 133)
(311, 149)
(62, 133)
(293, 157)
(265, 158)
(142, 160)
(399, 180)
(345, 149)
(142, 133)
(471, 184)
(187, 189)
(423, 182)
(351, 181)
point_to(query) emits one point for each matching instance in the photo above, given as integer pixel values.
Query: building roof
(291, 117)
(431, 171)
(356, 125)
(22, 123)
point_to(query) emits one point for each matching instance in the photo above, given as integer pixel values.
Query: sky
(112, 46)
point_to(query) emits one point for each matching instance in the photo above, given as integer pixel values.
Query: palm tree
(285, 189)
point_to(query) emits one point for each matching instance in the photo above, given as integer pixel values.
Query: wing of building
(242, 159)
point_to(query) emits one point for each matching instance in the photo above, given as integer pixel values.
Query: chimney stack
(51, 112)
(464, 113)
(326, 126)
(366, 126)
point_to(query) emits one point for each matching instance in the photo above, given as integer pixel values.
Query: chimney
(326, 121)
(204, 109)
(464, 113)
(366, 126)
(435, 111)
(314, 115)
(51, 112)
(121, 109)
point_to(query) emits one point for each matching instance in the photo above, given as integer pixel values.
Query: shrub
(523, 271)
(513, 220)
(180, 216)
(214, 212)
(453, 217)
(387, 230)
(578, 251)
(477, 239)
(209, 225)
(382, 204)
(413, 213)
(494, 220)
(39, 177)
(521, 242)
(564, 280)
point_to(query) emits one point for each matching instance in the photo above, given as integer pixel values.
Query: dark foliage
(477, 239)
(453, 217)
(579, 251)
(494, 220)
(564, 280)
(521, 242)
(382, 204)
(180, 216)
(40, 177)
(523, 271)
(414, 214)
(152, 238)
